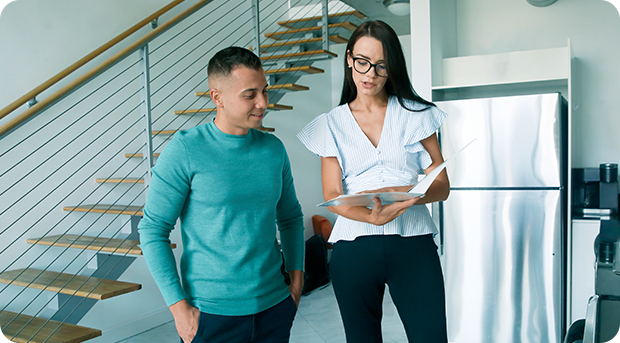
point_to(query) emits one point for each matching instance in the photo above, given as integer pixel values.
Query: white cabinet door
(582, 266)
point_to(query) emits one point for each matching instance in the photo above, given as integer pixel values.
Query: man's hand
(297, 283)
(185, 319)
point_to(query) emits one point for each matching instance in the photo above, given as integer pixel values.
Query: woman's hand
(185, 319)
(383, 214)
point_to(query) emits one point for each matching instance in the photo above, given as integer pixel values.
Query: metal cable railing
(43, 151)
(301, 12)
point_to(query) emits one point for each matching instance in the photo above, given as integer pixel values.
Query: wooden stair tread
(288, 86)
(334, 38)
(89, 243)
(301, 69)
(140, 155)
(273, 107)
(121, 246)
(164, 132)
(277, 35)
(120, 180)
(299, 54)
(48, 331)
(291, 23)
(110, 209)
(82, 286)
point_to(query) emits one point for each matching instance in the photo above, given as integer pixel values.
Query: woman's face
(366, 51)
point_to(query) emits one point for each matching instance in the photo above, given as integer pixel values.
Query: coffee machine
(595, 195)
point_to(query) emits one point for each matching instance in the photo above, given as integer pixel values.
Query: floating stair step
(140, 155)
(164, 132)
(289, 87)
(281, 34)
(301, 69)
(120, 180)
(298, 54)
(109, 209)
(37, 330)
(120, 246)
(277, 45)
(285, 86)
(82, 286)
(335, 16)
(90, 243)
(273, 107)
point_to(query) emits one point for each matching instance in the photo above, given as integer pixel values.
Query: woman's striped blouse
(397, 160)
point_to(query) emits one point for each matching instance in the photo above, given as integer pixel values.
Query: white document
(366, 199)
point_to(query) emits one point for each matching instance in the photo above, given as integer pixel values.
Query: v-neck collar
(359, 128)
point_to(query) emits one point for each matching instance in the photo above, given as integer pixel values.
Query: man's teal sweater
(229, 192)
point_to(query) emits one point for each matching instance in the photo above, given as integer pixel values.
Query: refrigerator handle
(437, 214)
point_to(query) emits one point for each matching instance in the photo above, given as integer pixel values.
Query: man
(229, 184)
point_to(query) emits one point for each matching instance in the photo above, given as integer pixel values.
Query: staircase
(287, 55)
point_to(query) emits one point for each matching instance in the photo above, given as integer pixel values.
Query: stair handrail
(41, 105)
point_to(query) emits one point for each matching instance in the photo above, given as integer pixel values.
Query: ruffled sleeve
(421, 125)
(318, 137)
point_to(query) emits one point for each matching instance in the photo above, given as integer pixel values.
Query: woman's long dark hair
(398, 82)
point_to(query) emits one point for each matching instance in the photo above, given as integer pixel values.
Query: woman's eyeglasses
(363, 65)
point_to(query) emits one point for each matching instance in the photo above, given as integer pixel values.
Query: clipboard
(417, 191)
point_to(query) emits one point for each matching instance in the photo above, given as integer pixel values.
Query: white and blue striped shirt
(397, 160)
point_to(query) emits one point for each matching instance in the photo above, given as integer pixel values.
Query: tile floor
(317, 321)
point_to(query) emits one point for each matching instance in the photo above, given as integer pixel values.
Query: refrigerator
(503, 227)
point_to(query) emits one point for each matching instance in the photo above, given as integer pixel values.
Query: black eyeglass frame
(371, 65)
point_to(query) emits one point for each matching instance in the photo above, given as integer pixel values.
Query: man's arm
(290, 225)
(167, 193)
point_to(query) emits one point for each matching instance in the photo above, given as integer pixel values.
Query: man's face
(241, 100)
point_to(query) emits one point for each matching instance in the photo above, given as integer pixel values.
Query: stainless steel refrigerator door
(518, 141)
(502, 266)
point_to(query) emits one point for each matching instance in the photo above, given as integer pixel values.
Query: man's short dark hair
(223, 63)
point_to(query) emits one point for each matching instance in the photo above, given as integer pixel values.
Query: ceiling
(375, 10)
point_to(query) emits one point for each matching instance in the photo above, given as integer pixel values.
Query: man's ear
(216, 97)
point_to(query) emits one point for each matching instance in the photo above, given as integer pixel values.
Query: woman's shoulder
(411, 105)
(333, 117)
(338, 110)
(414, 110)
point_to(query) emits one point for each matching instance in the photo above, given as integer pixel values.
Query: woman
(380, 138)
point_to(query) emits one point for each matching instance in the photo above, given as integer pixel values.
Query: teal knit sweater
(229, 192)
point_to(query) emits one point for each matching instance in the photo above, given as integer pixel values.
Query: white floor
(317, 321)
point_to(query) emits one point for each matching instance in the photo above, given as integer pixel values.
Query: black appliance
(595, 191)
(596, 195)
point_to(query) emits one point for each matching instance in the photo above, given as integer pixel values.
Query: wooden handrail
(14, 122)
